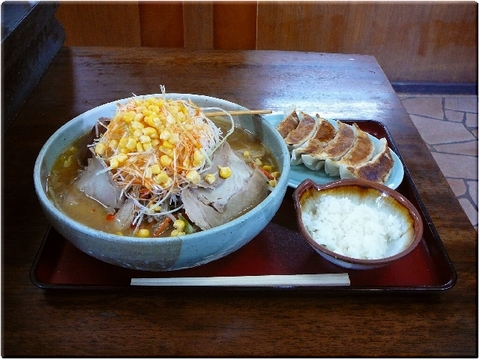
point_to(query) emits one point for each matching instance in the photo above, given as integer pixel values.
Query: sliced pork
(225, 199)
(97, 184)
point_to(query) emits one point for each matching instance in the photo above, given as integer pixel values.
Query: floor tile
(449, 126)
(439, 131)
(463, 148)
(424, 106)
(466, 103)
(457, 166)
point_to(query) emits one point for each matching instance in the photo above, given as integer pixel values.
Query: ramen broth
(74, 203)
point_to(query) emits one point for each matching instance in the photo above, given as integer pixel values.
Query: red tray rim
(427, 288)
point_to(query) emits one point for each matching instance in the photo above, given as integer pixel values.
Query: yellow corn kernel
(155, 169)
(167, 183)
(165, 135)
(267, 168)
(143, 233)
(114, 163)
(169, 119)
(167, 144)
(138, 117)
(154, 108)
(148, 173)
(246, 154)
(137, 125)
(174, 139)
(113, 144)
(149, 121)
(123, 142)
(225, 171)
(155, 142)
(198, 158)
(166, 151)
(140, 147)
(150, 132)
(131, 144)
(165, 160)
(144, 139)
(272, 183)
(117, 160)
(210, 178)
(100, 148)
(129, 116)
(275, 174)
(154, 207)
(137, 133)
(193, 176)
(179, 224)
(258, 162)
(161, 178)
(177, 233)
(147, 146)
(122, 157)
(173, 108)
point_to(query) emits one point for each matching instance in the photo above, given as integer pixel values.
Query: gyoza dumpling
(324, 134)
(361, 151)
(377, 169)
(304, 131)
(289, 122)
(335, 149)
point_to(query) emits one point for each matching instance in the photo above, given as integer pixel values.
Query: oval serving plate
(298, 173)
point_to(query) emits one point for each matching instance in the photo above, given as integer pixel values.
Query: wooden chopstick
(248, 281)
(238, 112)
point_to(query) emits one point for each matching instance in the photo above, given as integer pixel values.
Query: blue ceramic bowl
(162, 254)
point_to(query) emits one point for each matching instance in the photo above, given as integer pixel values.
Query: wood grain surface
(433, 41)
(226, 323)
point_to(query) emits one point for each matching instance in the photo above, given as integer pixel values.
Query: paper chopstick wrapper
(249, 281)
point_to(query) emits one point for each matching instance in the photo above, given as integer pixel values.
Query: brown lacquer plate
(279, 249)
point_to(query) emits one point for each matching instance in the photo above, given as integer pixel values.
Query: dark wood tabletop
(156, 322)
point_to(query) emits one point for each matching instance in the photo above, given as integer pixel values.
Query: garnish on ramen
(160, 167)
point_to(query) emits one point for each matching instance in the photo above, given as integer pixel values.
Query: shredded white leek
(180, 129)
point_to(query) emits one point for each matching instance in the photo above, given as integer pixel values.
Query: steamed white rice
(348, 228)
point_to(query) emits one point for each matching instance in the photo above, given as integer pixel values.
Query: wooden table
(226, 323)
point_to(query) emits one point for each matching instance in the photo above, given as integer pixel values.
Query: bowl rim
(80, 227)
(413, 211)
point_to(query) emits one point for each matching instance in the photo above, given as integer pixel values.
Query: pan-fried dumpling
(334, 150)
(289, 122)
(362, 150)
(325, 133)
(377, 169)
(304, 131)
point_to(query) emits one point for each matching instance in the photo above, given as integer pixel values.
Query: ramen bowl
(357, 224)
(164, 253)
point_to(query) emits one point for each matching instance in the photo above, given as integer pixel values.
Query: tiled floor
(449, 126)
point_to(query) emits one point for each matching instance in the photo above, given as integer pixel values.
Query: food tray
(279, 249)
